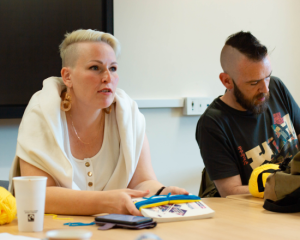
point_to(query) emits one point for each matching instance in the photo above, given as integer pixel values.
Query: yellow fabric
(167, 202)
(253, 187)
(8, 207)
(57, 218)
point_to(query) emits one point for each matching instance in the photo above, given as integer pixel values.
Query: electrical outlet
(196, 106)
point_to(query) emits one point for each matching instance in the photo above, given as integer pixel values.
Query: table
(234, 219)
(247, 198)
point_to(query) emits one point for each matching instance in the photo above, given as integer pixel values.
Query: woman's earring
(65, 104)
(107, 110)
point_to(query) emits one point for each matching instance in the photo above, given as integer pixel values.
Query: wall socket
(196, 105)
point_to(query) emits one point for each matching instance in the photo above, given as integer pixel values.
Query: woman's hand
(174, 191)
(119, 201)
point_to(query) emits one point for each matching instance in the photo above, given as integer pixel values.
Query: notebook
(176, 211)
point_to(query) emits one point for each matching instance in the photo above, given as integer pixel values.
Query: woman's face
(94, 77)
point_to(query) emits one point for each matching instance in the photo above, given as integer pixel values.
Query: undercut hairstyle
(248, 45)
(67, 47)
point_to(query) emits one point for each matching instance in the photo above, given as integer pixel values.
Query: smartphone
(124, 219)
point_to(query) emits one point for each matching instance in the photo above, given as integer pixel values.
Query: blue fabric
(76, 224)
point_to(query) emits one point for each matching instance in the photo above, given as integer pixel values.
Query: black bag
(282, 189)
(289, 204)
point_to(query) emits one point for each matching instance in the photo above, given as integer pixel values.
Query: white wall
(8, 141)
(174, 151)
(170, 49)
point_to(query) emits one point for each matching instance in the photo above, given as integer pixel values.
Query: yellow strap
(55, 217)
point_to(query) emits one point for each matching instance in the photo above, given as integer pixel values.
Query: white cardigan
(40, 138)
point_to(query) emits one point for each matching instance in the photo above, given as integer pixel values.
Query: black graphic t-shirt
(235, 142)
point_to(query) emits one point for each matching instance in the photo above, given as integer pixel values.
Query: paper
(7, 236)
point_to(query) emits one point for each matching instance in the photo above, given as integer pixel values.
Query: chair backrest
(207, 186)
(4, 184)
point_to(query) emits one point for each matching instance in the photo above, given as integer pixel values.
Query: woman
(83, 133)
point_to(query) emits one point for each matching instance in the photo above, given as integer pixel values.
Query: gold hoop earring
(107, 110)
(65, 104)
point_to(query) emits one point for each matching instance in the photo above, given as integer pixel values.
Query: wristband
(159, 191)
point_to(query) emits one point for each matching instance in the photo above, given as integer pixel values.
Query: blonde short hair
(82, 35)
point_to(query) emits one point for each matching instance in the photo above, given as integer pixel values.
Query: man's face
(251, 88)
(256, 104)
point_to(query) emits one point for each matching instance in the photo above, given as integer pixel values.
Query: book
(177, 211)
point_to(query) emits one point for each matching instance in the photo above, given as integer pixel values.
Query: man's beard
(250, 104)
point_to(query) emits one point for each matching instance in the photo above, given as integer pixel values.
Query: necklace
(77, 133)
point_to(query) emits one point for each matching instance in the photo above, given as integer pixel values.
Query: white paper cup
(64, 234)
(30, 196)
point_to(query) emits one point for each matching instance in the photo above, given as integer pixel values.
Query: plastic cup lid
(67, 234)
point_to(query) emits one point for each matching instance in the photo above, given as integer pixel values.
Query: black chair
(4, 184)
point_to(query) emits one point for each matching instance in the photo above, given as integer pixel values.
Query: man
(255, 122)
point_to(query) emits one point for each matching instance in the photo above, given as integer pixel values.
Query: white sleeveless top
(89, 172)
